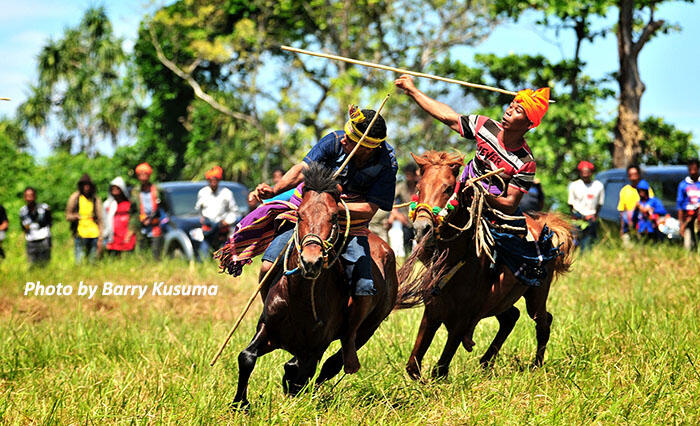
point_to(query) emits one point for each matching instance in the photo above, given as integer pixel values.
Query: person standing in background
(36, 223)
(405, 190)
(586, 197)
(84, 212)
(688, 203)
(218, 211)
(4, 224)
(147, 199)
(119, 231)
(629, 197)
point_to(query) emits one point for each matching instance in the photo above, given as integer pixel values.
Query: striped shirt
(491, 154)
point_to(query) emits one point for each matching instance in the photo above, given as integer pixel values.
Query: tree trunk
(626, 149)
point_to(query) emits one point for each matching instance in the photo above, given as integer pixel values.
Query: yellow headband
(354, 134)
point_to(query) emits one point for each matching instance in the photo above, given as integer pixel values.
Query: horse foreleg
(506, 322)
(301, 371)
(443, 366)
(331, 367)
(258, 347)
(536, 303)
(359, 308)
(426, 332)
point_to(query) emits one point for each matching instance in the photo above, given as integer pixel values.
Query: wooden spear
(400, 70)
(5, 99)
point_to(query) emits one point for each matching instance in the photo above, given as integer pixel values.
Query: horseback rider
(499, 144)
(368, 183)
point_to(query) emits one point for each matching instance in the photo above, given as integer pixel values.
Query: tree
(662, 143)
(223, 55)
(80, 86)
(632, 36)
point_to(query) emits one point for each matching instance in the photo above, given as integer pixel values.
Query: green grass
(623, 349)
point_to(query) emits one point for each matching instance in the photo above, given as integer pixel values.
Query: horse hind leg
(297, 374)
(258, 347)
(291, 371)
(536, 303)
(506, 322)
(426, 333)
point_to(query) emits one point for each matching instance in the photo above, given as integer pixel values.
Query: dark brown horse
(306, 310)
(471, 288)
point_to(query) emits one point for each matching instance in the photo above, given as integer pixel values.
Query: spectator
(147, 199)
(688, 203)
(84, 212)
(36, 222)
(218, 211)
(585, 200)
(4, 224)
(647, 212)
(629, 197)
(533, 200)
(119, 232)
(404, 193)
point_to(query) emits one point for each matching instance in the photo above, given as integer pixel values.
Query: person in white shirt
(586, 197)
(218, 211)
(36, 223)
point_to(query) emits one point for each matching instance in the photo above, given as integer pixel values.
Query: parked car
(662, 179)
(178, 200)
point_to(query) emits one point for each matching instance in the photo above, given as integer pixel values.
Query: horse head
(436, 191)
(318, 222)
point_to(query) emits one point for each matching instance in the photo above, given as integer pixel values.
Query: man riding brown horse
(367, 182)
(486, 232)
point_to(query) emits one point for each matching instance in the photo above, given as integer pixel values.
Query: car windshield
(181, 200)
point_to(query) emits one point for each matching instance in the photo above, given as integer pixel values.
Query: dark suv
(663, 180)
(178, 200)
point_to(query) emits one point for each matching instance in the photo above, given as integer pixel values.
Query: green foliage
(662, 143)
(79, 86)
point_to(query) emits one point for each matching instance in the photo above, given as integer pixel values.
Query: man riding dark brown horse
(308, 307)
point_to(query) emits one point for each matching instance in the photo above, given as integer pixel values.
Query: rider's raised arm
(437, 109)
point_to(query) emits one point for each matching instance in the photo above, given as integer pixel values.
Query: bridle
(327, 245)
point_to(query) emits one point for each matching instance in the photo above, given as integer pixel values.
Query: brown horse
(470, 287)
(305, 311)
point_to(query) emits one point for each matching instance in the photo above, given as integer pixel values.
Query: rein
(326, 249)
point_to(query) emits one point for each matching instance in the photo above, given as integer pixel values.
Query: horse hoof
(413, 371)
(468, 344)
(351, 364)
(440, 373)
(242, 406)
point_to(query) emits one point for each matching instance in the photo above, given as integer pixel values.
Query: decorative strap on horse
(326, 245)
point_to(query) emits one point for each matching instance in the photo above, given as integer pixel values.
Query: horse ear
(422, 162)
(456, 168)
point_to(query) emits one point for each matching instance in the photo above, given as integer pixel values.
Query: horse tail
(563, 237)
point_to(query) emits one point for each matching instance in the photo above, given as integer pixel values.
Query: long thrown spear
(400, 70)
(5, 99)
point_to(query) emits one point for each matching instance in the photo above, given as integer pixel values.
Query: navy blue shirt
(375, 181)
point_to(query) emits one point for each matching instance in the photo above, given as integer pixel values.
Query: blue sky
(669, 63)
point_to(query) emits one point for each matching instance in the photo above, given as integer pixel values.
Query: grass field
(624, 349)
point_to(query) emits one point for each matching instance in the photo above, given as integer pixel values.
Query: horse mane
(320, 179)
(441, 158)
